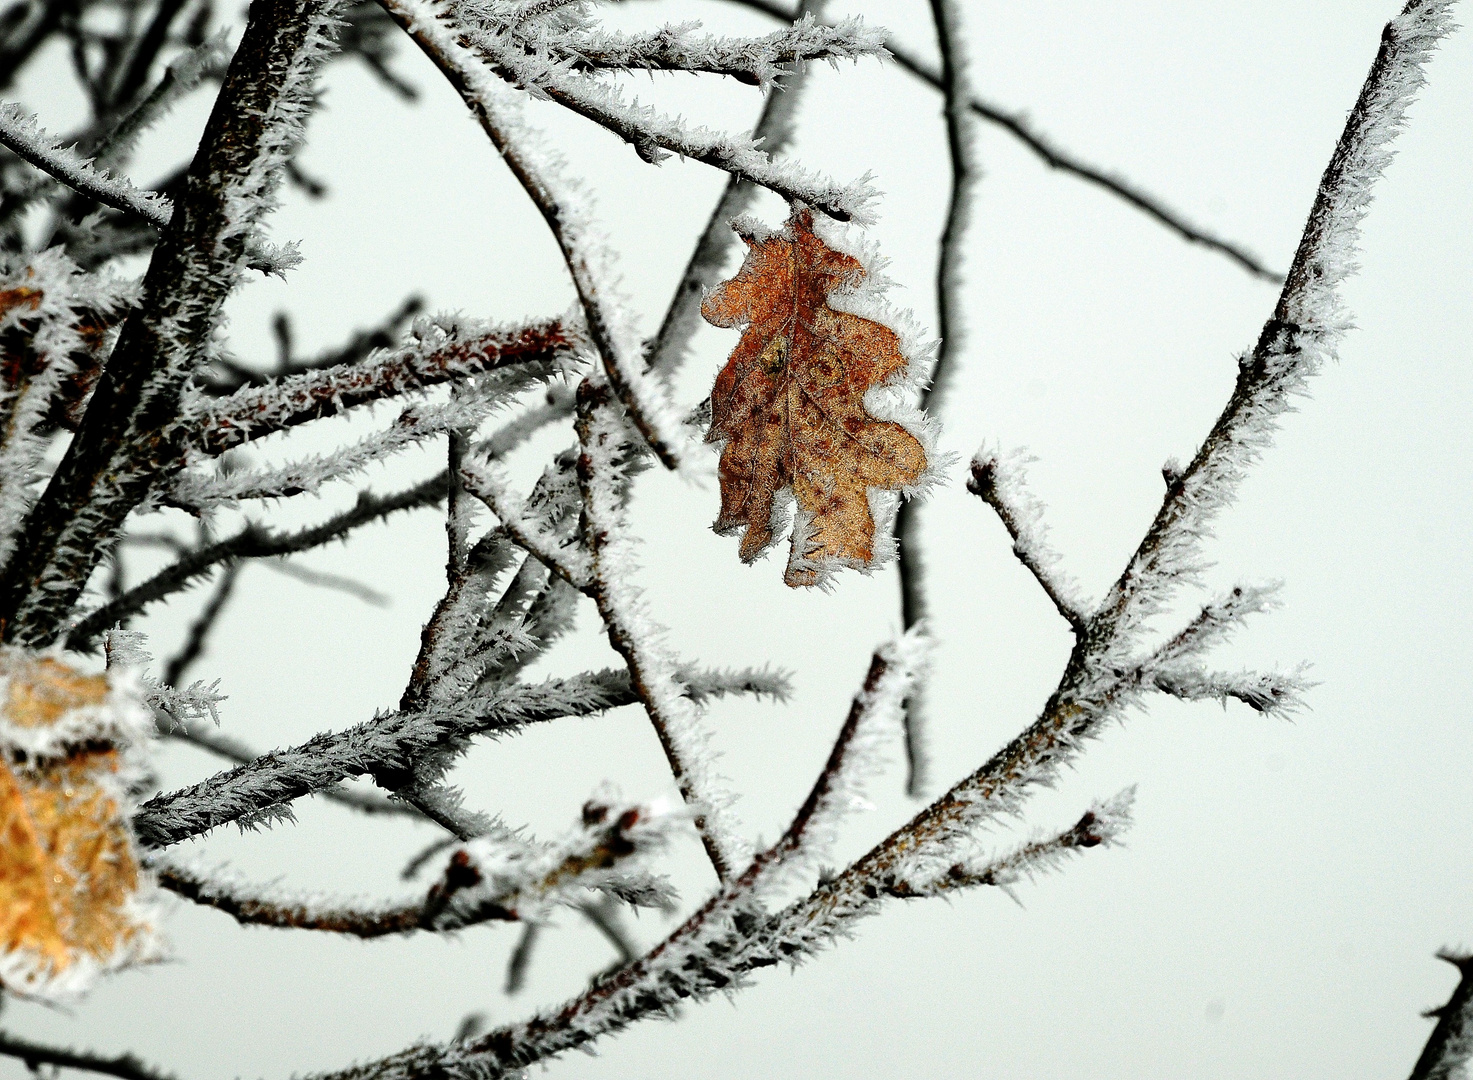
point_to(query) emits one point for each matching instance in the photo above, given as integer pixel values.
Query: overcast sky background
(1285, 885)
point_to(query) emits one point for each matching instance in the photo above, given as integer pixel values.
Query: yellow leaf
(72, 896)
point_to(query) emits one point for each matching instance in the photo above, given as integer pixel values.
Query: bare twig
(199, 630)
(251, 542)
(1057, 158)
(35, 1055)
(965, 172)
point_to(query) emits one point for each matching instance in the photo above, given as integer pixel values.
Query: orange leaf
(789, 405)
(69, 875)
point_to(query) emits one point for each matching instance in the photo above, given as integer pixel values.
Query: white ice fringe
(635, 632)
(1304, 332)
(680, 47)
(1023, 515)
(59, 296)
(127, 650)
(435, 348)
(654, 134)
(568, 208)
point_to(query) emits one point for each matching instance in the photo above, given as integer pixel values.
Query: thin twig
(961, 152)
(251, 542)
(124, 1066)
(199, 630)
(521, 958)
(231, 749)
(432, 913)
(1056, 158)
(270, 783)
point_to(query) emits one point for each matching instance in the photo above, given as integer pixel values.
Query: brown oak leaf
(69, 875)
(789, 405)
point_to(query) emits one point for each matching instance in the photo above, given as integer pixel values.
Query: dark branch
(114, 460)
(256, 411)
(1056, 158)
(1450, 1046)
(252, 542)
(124, 1066)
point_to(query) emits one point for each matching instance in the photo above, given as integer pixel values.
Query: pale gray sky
(1285, 885)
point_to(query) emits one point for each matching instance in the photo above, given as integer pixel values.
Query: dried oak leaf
(70, 883)
(789, 405)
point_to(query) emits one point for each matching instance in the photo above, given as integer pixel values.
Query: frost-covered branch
(24, 136)
(1449, 1049)
(265, 788)
(1101, 825)
(961, 150)
(1055, 157)
(1274, 693)
(494, 878)
(774, 130)
(1000, 482)
(231, 749)
(874, 719)
(604, 444)
(111, 465)
(756, 60)
(654, 135)
(1307, 324)
(251, 542)
(258, 906)
(438, 350)
(225, 376)
(563, 206)
(560, 554)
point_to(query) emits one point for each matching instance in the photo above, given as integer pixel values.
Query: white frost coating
(702, 684)
(24, 136)
(1304, 333)
(435, 349)
(678, 47)
(415, 425)
(654, 134)
(567, 205)
(1103, 826)
(120, 719)
(589, 856)
(500, 876)
(49, 292)
(1022, 514)
(1215, 623)
(485, 480)
(878, 729)
(1273, 693)
(128, 650)
(635, 633)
